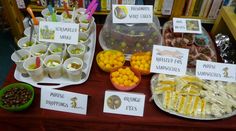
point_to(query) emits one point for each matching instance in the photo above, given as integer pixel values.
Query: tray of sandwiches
(193, 98)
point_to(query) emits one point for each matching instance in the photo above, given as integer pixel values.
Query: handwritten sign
(187, 25)
(216, 71)
(132, 13)
(169, 60)
(63, 101)
(124, 103)
(58, 32)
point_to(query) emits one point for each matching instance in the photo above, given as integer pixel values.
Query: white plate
(158, 101)
(63, 81)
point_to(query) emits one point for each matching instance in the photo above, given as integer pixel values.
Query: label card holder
(132, 13)
(124, 103)
(216, 71)
(169, 60)
(183, 25)
(58, 32)
(64, 101)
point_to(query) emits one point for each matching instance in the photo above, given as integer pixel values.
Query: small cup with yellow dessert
(53, 64)
(73, 67)
(40, 50)
(66, 18)
(77, 50)
(34, 67)
(58, 49)
(25, 43)
(19, 57)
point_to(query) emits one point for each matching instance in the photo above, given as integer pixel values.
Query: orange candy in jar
(141, 62)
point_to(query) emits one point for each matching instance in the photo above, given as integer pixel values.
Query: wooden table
(35, 118)
(225, 22)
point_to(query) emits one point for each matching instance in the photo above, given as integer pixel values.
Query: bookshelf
(226, 18)
(179, 9)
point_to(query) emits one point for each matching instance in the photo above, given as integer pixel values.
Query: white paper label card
(216, 71)
(64, 101)
(183, 25)
(58, 32)
(169, 60)
(124, 103)
(132, 13)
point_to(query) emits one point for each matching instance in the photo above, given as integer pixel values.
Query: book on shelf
(214, 9)
(149, 2)
(167, 7)
(197, 8)
(187, 7)
(102, 4)
(203, 6)
(128, 2)
(207, 8)
(139, 2)
(191, 8)
(158, 6)
(81, 3)
(108, 2)
(114, 2)
(229, 2)
(86, 3)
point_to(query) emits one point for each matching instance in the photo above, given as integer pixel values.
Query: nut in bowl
(16, 96)
(141, 62)
(109, 60)
(125, 78)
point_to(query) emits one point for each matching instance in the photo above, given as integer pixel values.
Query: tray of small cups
(55, 65)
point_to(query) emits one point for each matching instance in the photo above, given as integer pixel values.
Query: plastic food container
(125, 78)
(130, 38)
(141, 62)
(200, 46)
(16, 89)
(110, 59)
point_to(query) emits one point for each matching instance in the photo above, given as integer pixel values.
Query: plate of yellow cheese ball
(108, 60)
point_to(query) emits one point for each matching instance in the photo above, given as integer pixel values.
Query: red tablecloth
(98, 82)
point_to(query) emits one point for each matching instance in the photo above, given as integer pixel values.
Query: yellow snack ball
(126, 83)
(115, 74)
(131, 84)
(135, 79)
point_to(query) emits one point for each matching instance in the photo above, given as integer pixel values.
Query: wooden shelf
(175, 12)
(37, 8)
(226, 18)
(203, 20)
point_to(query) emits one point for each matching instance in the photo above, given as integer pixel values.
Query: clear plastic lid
(200, 46)
(130, 38)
